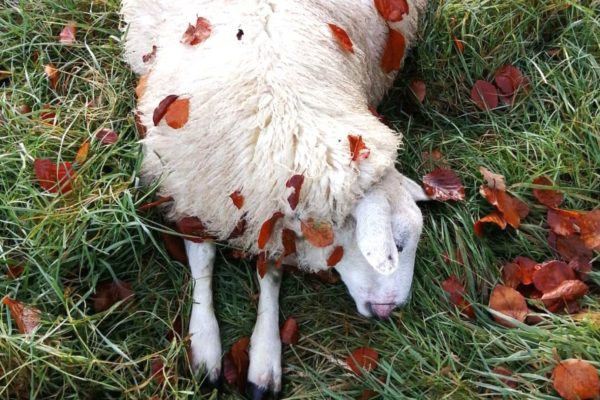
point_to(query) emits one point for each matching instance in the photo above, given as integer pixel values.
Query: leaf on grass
(175, 247)
(511, 209)
(235, 364)
(576, 379)
(443, 184)
(109, 293)
(548, 197)
(393, 52)
(261, 264)
(527, 268)
(590, 229)
(456, 290)
(26, 317)
(510, 80)
(67, 35)
(163, 106)
(460, 46)
(358, 150)
(14, 271)
(318, 233)
(288, 239)
(551, 274)
(493, 181)
(508, 381)
(82, 153)
(107, 136)
(392, 10)
(335, 257)
(178, 113)
(149, 57)
(289, 332)
(266, 230)
(197, 34)
(568, 290)
(157, 370)
(342, 38)
(568, 247)
(54, 178)
(493, 218)
(52, 74)
(485, 95)
(362, 359)
(238, 199)
(419, 89)
(564, 222)
(193, 229)
(509, 302)
(295, 182)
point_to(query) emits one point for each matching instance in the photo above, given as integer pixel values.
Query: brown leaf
(358, 150)
(368, 394)
(329, 276)
(510, 80)
(527, 268)
(163, 106)
(52, 74)
(392, 10)
(493, 218)
(140, 128)
(362, 359)
(460, 46)
(157, 370)
(508, 373)
(318, 233)
(67, 35)
(393, 52)
(160, 201)
(82, 153)
(14, 271)
(266, 230)
(193, 229)
(140, 89)
(239, 230)
(576, 379)
(289, 332)
(54, 178)
(109, 293)
(512, 209)
(551, 274)
(238, 199)
(149, 57)
(568, 290)
(288, 239)
(197, 34)
(511, 275)
(175, 247)
(295, 182)
(456, 290)
(443, 184)
(176, 330)
(26, 317)
(235, 364)
(107, 136)
(419, 89)
(564, 222)
(261, 264)
(493, 181)
(569, 247)
(178, 113)
(509, 302)
(549, 198)
(590, 229)
(342, 38)
(335, 257)
(485, 95)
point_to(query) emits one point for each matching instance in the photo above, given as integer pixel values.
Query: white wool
(281, 101)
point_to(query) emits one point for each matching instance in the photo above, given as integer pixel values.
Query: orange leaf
(392, 10)
(54, 178)
(443, 184)
(163, 106)
(67, 35)
(82, 153)
(419, 89)
(178, 113)
(551, 274)
(509, 302)
(564, 222)
(289, 332)
(576, 379)
(547, 197)
(319, 234)
(140, 89)
(336, 256)
(288, 238)
(26, 317)
(266, 230)
(393, 52)
(109, 293)
(527, 268)
(493, 218)
(456, 290)
(460, 46)
(238, 199)
(261, 264)
(485, 95)
(52, 74)
(358, 150)
(567, 291)
(342, 38)
(197, 34)
(363, 359)
(295, 182)
(590, 229)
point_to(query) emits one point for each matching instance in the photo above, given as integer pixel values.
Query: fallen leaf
(140, 89)
(512, 209)
(456, 290)
(568, 290)
(289, 332)
(590, 229)
(160, 201)
(52, 74)
(581, 265)
(564, 222)
(362, 359)
(107, 136)
(82, 153)
(569, 247)
(175, 247)
(460, 46)
(288, 239)
(392, 10)
(511, 275)
(26, 317)
(576, 379)
(527, 268)
(493, 218)
(23, 109)
(240, 360)
(54, 178)
(419, 89)
(109, 293)
(238, 199)
(261, 264)
(335, 257)
(509, 302)
(149, 57)
(193, 229)
(551, 274)
(197, 34)
(47, 113)
(358, 150)
(329, 276)
(294, 182)
(157, 370)
(14, 271)
(318, 233)
(393, 52)
(443, 184)
(163, 106)
(510, 80)
(67, 35)
(266, 230)
(178, 113)
(140, 128)
(548, 197)
(368, 394)
(485, 95)
(492, 180)
(508, 381)
(342, 38)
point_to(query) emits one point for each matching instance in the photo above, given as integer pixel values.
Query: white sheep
(272, 94)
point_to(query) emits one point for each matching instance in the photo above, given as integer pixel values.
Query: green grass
(68, 244)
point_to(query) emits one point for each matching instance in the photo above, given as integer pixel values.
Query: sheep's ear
(414, 189)
(374, 232)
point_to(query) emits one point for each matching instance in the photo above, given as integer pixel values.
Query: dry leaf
(107, 136)
(576, 379)
(460, 46)
(551, 274)
(289, 332)
(52, 74)
(294, 182)
(358, 150)
(318, 233)
(26, 317)
(335, 257)
(109, 293)
(161, 109)
(362, 359)
(392, 10)
(266, 230)
(590, 229)
(485, 95)
(549, 198)
(54, 178)
(393, 52)
(509, 302)
(342, 38)
(178, 113)
(443, 184)
(288, 239)
(456, 290)
(82, 153)
(67, 35)
(193, 229)
(419, 89)
(493, 181)
(197, 34)
(238, 199)
(493, 218)
(568, 290)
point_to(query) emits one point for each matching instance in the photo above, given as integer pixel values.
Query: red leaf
(551, 274)
(295, 182)
(456, 290)
(54, 178)
(235, 365)
(511, 275)
(238, 199)
(358, 150)
(239, 230)
(460, 46)
(163, 106)
(493, 218)
(509, 302)
(161, 200)
(567, 291)
(14, 271)
(266, 230)
(288, 238)
(319, 234)
(485, 95)
(175, 247)
(197, 34)
(109, 293)
(193, 229)
(419, 89)
(289, 332)
(493, 181)
(157, 370)
(261, 264)
(564, 222)
(107, 136)
(510, 81)
(508, 373)
(363, 359)
(342, 38)
(443, 184)
(569, 247)
(576, 379)
(590, 229)
(335, 257)
(527, 268)
(392, 10)
(393, 52)
(547, 197)
(149, 57)
(178, 113)
(26, 317)
(67, 35)
(52, 74)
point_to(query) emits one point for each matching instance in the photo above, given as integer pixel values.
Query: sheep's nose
(382, 311)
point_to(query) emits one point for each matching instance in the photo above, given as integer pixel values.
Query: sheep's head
(379, 257)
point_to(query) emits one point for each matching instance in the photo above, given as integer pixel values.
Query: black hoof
(256, 392)
(216, 384)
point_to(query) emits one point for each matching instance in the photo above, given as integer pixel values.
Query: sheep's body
(279, 101)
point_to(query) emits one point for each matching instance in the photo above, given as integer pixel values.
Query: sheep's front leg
(204, 329)
(264, 374)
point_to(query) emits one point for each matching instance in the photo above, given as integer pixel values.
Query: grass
(70, 243)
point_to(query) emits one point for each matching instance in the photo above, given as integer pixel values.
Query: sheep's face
(379, 258)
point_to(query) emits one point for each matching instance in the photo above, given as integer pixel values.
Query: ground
(68, 244)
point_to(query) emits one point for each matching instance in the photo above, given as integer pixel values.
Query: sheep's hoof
(256, 392)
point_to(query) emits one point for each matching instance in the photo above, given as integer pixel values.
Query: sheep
(272, 95)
